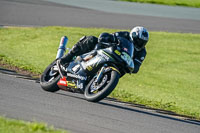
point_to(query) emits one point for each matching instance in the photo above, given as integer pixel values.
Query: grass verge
(168, 79)
(188, 3)
(18, 126)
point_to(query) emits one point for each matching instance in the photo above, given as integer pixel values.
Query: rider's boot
(85, 44)
(75, 51)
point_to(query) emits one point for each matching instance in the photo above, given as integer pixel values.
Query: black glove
(107, 39)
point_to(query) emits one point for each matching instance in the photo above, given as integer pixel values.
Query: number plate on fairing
(126, 58)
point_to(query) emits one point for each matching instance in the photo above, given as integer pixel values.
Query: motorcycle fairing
(79, 70)
(71, 84)
(94, 64)
(74, 78)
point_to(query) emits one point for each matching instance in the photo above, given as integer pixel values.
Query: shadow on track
(189, 121)
(69, 95)
(157, 113)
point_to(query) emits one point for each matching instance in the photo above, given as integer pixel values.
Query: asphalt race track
(23, 98)
(40, 13)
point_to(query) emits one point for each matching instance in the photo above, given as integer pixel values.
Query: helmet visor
(139, 44)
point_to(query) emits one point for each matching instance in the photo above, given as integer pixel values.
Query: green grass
(18, 126)
(189, 3)
(168, 79)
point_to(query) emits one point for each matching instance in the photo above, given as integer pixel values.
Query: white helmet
(140, 36)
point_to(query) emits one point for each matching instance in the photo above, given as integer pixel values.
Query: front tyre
(96, 92)
(49, 78)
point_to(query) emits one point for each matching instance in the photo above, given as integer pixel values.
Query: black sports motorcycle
(95, 74)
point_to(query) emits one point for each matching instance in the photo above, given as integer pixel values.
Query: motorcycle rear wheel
(112, 79)
(49, 79)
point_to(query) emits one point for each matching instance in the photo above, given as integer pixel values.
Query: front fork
(59, 68)
(99, 76)
(103, 70)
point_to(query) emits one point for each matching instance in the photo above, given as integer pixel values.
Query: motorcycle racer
(139, 36)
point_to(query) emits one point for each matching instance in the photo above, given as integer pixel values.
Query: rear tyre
(95, 93)
(49, 78)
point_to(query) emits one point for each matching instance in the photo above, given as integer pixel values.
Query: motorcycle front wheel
(95, 92)
(49, 78)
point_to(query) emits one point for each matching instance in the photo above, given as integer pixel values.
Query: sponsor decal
(98, 62)
(105, 56)
(76, 76)
(71, 84)
(89, 68)
(80, 85)
(75, 68)
(117, 52)
(91, 64)
(125, 49)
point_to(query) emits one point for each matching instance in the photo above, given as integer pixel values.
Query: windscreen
(126, 45)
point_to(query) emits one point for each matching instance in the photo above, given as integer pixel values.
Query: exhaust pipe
(62, 47)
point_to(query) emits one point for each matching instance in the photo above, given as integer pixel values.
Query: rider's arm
(138, 59)
(112, 38)
(106, 40)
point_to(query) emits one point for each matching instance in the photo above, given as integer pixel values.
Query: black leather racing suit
(139, 56)
(88, 43)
